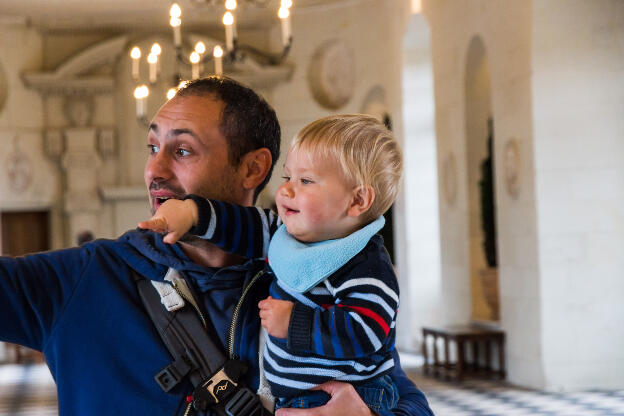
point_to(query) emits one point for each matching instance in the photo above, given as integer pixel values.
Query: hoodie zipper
(201, 316)
(236, 312)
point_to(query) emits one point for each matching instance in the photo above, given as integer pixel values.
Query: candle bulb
(175, 23)
(194, 58)
(218, 59)
(140, 94)
(152, 60)
(135, 54)
(176, 13)
(231, 6)
(200, 47)
(156, 50)
(284, 15)
(228, 21)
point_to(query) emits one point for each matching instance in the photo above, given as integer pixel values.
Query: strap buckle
(244, 403)
(171, 375)
(220, 386)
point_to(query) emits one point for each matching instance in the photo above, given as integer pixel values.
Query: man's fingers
(331, 387)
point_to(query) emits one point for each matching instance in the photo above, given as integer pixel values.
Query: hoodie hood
(147, 253)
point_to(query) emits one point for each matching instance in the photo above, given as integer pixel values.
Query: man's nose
(158, 167)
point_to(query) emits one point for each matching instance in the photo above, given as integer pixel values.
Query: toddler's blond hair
(365, 150)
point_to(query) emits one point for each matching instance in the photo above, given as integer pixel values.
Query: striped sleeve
(358, 323)
(234, 228)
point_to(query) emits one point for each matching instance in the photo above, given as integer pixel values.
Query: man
(80, 306)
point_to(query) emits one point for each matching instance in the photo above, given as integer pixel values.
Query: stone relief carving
(106, 143)
(78, 110)
(511, 168)
(331, 74)
(54, 145)
(449, 178)
(18, 169)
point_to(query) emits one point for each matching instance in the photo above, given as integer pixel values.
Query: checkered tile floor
(490, 398)
(30, 391)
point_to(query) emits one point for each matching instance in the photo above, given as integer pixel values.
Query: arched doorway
(481, 196)
(418, 218)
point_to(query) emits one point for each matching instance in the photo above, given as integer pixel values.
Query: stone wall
(556, 101)
(578, 103)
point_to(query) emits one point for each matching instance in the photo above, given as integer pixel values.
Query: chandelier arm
(238, 53)
(267, 58)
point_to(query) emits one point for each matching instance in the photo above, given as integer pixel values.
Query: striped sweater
(342, 329)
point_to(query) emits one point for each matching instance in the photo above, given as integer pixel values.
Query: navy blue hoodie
(80, 306)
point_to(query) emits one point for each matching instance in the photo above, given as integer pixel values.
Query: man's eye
(183, 152)
(153, 149)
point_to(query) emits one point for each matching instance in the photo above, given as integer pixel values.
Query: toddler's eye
(286, 178)
(306, 181)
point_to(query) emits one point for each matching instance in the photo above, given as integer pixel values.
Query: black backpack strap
(195, 354)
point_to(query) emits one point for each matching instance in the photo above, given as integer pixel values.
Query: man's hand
(275, 316)
(175, 217)
(344, 401)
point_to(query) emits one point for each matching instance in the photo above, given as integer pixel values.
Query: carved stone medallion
(331, 74)
(511, 167)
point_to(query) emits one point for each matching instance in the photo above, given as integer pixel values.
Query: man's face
(188, 154)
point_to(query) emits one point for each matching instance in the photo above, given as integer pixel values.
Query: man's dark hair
(248, 122)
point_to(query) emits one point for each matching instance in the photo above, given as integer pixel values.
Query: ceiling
(140, 14)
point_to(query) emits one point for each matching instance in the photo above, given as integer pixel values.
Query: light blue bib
(301, 266)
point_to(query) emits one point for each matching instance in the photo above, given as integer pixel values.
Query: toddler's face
(314, 198)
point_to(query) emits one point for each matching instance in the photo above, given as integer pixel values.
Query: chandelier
(225, 53)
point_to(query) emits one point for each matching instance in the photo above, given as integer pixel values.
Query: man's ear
(363, 197)
(255, 166)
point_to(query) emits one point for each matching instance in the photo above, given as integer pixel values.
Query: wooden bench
(464, 337)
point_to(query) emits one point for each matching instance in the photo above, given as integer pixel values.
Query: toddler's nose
(287, 190)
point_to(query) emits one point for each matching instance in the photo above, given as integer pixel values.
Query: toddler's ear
(363, 197)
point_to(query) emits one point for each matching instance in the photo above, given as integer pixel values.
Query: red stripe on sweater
(370, 314)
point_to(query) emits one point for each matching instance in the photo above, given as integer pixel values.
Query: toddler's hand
(175, 217)
(275, 316)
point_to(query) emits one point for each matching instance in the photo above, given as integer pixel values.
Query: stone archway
(480, 175)
(417, 210)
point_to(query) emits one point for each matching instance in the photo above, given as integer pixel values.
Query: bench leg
(460, 359)
(501, 358)
(424, 351)
(436, 361)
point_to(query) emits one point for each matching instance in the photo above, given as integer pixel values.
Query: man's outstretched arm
(345, 400)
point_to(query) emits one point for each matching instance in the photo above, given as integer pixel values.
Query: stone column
(80, 163)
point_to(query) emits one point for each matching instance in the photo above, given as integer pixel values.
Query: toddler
(333, 302)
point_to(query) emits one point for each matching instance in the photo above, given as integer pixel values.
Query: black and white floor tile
(491, 398)
(30, 391)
